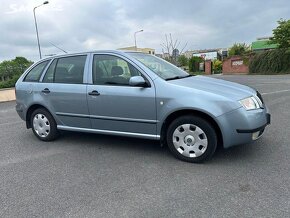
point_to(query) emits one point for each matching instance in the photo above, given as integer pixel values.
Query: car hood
(224, 88)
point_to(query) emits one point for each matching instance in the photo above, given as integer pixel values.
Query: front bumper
(268, 116)
(242, 127)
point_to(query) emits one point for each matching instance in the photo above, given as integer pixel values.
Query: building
(159, 55)
(165, 55)
(208, 54)
(188, 54)
(263, 44)
(144, 50)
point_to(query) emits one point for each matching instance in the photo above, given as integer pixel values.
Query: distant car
(138, 95)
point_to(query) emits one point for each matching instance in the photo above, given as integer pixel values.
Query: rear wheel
(191, 139)
(43, 125)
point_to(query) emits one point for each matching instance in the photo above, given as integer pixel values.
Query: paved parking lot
(87, 175)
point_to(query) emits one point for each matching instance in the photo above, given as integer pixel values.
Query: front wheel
(43, 125)
(191, 139)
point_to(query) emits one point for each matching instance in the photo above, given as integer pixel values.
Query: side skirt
(109, 132)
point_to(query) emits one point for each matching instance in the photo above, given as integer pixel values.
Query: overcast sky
(109, 24)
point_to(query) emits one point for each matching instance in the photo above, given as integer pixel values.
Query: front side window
(68, 70)
(35, 73)
(162, 68)
(112, 70)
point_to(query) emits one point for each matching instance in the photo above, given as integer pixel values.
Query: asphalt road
(87, 175)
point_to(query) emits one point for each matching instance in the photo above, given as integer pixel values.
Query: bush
(193, 63)
(217, 66)
(182, 60)
(270, 62)
(9, 83)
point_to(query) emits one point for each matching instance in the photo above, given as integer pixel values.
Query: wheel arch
(185, 112)
(30, 111)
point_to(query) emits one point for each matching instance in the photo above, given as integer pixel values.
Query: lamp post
(139, 31)
(44, 3)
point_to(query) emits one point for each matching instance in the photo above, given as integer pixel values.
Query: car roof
(88, 52)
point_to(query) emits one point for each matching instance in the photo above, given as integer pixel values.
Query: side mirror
(137, 81)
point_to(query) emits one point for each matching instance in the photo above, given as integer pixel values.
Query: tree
(6, 70)
(182, 60)
(12, 69)
(281, 35)
(170, 46)
(241, 49)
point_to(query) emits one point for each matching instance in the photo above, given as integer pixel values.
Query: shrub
(182, 60)
(270, 62)
(9, 83)
(217, 66)
(193, 63)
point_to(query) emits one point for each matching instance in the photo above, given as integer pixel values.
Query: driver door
(114, 105)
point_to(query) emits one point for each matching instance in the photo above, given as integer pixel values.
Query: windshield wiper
(178, 77)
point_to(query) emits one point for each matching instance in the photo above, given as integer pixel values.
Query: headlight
(250, 103)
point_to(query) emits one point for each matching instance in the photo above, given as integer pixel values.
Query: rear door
(116, 106)
(64, 91)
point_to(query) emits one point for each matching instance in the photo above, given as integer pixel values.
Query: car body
(138, 95)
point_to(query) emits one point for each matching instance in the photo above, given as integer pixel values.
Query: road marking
(268, 93)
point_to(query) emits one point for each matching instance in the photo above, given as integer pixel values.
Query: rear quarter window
(35, 73)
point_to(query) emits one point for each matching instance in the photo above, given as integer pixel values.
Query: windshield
(159, 66)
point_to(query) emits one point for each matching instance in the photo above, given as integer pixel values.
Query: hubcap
(41, 125)
(189, 140)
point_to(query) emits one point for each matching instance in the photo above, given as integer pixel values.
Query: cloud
(109, 24)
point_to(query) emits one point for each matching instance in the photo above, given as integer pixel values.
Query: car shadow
(109, 141)
(239, 153)
(152, 147)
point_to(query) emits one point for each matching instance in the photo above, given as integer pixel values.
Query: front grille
(260, 97)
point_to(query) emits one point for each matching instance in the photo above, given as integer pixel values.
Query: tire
(43, 125)
(191, 139)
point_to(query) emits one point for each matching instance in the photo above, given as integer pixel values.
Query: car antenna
(58, 47)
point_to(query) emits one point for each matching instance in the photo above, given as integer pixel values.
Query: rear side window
(48, 78)
(66, 70)
(35, 73)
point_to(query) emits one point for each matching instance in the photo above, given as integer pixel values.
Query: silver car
(138, 95)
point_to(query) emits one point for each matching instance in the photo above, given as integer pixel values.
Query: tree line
(10, 71)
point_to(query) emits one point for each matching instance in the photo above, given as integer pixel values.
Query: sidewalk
(7, 94)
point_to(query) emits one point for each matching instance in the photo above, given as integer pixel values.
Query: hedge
(270, 62)
(9, 83)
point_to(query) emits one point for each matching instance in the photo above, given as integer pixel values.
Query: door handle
(46, 91)
(94, 93)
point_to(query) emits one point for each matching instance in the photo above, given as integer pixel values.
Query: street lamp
(44, 3)
(139, 31)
